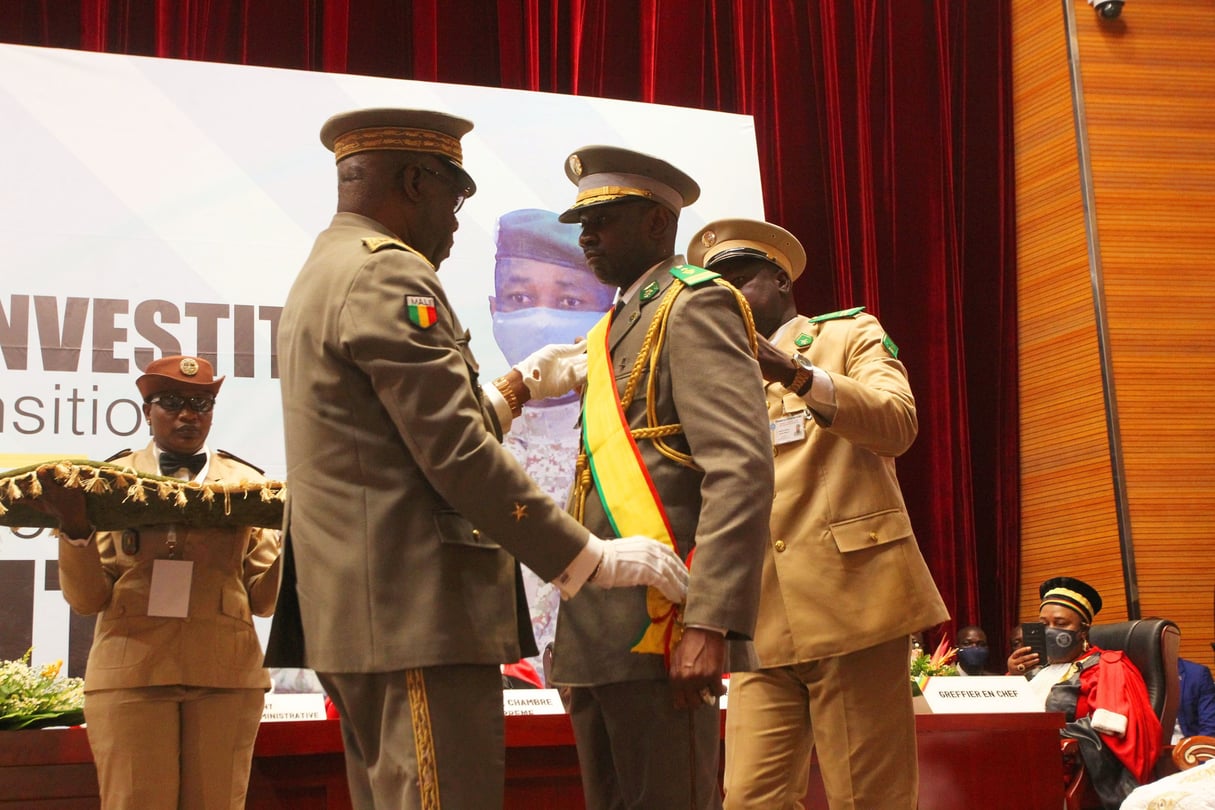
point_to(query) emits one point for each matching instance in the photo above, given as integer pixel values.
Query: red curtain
(884, 133)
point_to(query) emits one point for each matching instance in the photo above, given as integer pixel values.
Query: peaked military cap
(389, 128)
(729, 238)
(178, 373)
(607, 174)
(1071, 593)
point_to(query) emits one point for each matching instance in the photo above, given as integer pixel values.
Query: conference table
(993, 761)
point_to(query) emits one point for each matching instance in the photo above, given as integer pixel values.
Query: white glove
(554, 370)
(641, 561)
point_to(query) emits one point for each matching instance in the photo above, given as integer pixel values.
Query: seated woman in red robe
(1100, 691)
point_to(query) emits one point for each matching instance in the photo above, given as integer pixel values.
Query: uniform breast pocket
(870, 531)
(455, 530)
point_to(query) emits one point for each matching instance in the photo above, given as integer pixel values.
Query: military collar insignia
(649, 291)
(890, 347)
(803, 340)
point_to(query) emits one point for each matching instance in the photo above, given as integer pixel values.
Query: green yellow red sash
(625, 488)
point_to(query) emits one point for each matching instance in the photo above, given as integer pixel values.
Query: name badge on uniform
(169, 593)
(789, 428)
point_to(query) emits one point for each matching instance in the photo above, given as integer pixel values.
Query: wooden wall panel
(1068, 520)
(1148, 80)
(1149, 85)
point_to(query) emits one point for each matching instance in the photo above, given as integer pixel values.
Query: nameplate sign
(284, 706)
(531, 701)
(984, 694)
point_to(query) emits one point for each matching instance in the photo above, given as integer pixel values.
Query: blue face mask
(523, 331)
(972, 659)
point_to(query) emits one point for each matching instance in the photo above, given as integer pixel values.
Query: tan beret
(388, 128)
(607, 174)
(729, 238)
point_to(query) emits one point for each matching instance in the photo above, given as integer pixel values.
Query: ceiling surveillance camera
(1107, 9)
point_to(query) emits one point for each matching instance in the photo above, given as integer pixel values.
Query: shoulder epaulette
(692, 275)
(119, 454)
(377, 243)
(227, 455)
(831, 316)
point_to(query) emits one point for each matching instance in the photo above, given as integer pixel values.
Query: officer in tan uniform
(400, 588)
(674, 434)
(174, 686)
(844, 583)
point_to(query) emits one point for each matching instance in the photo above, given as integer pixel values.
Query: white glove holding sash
(640, 561)
(554, 370)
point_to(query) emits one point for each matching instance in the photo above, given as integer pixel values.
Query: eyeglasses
(175, 402)
(460, 195)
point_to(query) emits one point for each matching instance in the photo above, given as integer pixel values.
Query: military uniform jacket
(843, 571)
(404, 509)
(235, 575)
(710, 383)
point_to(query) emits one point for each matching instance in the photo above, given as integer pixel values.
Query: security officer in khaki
(174, 684)
(844, 582)
(406, 514)
(675, 446)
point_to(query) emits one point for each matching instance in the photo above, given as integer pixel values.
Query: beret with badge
(610, 174)
(537, 235)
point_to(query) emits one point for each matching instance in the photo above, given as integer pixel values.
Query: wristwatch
(804, 377)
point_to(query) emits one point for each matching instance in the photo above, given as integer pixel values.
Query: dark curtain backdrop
(884, 134)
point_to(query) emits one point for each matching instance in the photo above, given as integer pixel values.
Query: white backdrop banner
(156, 207)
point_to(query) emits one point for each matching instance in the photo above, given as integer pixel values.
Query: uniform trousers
(637, 751)
(173, 747)
(422, 739)
(855, 709)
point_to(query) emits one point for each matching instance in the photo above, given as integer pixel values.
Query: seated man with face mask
(1100, 691)
(973, 653)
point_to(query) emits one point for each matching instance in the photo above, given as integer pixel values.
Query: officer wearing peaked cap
(673, 399)
(394, 591)
(834, 616)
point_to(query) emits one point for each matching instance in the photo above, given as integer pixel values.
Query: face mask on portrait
(1060, 644)
(972, 659)
(523, 331)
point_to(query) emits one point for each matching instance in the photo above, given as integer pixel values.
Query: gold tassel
(35, 485)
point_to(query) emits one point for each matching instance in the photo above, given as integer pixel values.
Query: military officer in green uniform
(675, 446)
(406, 514)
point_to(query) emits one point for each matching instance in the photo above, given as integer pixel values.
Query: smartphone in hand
(1033, 635)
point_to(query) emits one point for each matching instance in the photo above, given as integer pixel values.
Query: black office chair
(1152, 645)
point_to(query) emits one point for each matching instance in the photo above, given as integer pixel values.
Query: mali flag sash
(624, 485)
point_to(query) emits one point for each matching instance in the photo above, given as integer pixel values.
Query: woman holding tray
(174, 684)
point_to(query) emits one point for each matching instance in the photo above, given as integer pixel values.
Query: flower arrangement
(925, 666)
(36, 696)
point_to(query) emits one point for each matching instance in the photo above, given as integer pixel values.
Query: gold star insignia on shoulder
(520, 511)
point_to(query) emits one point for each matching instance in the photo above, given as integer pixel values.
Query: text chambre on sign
(45, 334)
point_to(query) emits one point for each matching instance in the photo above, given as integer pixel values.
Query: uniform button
(476, 532)
(873, 536)
(779, 545)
